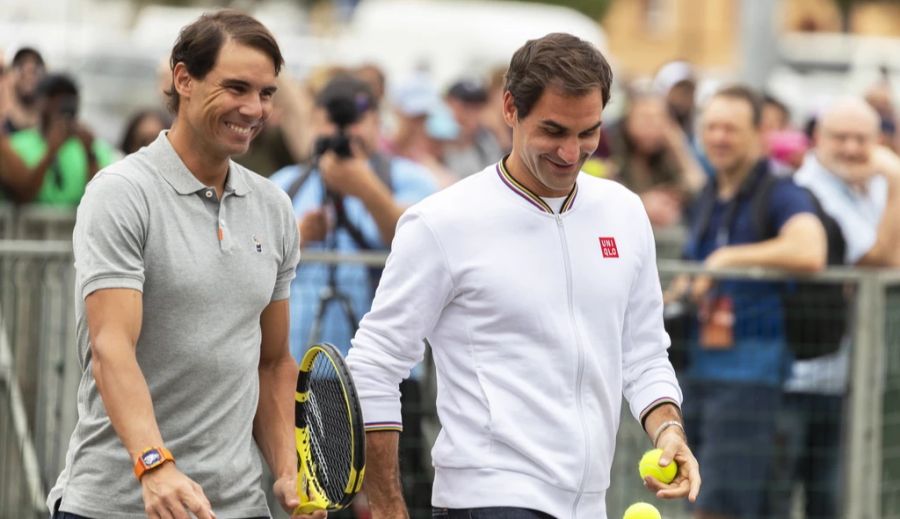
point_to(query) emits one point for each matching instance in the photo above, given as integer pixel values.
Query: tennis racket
(329, 431)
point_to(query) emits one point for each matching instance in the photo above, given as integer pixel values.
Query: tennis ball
(642, 511)
(649, 466)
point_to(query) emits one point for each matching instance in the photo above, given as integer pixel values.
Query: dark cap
(469, 91)
(344, 88)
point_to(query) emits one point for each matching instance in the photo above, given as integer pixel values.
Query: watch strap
(141, 468)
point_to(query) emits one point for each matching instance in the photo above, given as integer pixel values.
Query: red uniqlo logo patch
(608, 246)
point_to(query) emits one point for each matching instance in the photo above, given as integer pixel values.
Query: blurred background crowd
(436, 69)
(82, 83)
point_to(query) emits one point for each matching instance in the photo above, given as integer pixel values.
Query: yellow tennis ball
(649, 466)
(595, 167)
(642, 511)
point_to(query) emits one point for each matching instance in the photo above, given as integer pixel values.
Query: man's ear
(182, 80)
(510, 114)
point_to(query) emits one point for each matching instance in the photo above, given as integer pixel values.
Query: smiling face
(226, 109)
(729, 135)
(553, 141)
(846, 137)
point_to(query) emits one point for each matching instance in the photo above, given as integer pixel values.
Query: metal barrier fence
(39, 373)
(36, 222)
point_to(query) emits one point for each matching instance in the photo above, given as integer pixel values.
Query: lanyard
(708, 204)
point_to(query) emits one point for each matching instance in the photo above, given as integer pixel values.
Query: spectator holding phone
(61, 153)
(26, 69)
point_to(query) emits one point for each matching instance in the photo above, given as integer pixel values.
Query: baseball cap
(415, 96)
(673, 73)
(469, 91)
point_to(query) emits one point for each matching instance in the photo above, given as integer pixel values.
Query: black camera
(342, 112)
(345, 100)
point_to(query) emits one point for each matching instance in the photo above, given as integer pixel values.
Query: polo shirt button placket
(224, 240)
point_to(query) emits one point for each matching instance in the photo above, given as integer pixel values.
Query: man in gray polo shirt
(183, 262)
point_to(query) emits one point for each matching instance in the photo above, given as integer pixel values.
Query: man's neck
(730, 181)
(518, 171)
(210, 171)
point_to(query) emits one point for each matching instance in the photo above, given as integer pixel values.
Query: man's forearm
(661, 419)
(273, 424)
(382, 482)
(800, 247)
(23, 182)
(125, 396)
(384, 210)
(886, 251)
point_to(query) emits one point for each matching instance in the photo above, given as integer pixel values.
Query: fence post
(863, 454)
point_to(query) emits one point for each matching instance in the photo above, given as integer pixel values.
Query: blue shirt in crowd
(410, 182)
(759, 353)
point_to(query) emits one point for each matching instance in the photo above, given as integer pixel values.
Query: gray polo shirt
(207, 269)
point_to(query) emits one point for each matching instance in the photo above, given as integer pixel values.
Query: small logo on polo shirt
(257, 243)
(608, 247)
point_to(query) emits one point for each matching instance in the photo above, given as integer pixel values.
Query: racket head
(329, 431)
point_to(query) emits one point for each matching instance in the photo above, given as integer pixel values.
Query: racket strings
(330, 429)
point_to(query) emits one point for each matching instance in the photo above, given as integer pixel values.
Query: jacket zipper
(579, 405)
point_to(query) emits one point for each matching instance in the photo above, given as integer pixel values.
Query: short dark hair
(53, 85)
(769, 99)
(129, 138)
(26, 53)
(746, 94)
(558, 60)
(199, 43)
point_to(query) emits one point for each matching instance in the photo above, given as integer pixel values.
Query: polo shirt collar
(180, 177)
(236, 183)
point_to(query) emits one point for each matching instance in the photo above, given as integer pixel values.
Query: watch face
(151, 457)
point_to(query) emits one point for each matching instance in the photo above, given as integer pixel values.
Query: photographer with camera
(61, 154)
(348, 200)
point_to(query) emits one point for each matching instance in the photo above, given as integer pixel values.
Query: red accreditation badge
(716, 317)
(608, 247)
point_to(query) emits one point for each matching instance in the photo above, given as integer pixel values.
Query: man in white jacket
(536, 286)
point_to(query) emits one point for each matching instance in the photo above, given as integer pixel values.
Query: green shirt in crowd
(66, 178)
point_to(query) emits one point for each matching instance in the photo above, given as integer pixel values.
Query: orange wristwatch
(151, 458)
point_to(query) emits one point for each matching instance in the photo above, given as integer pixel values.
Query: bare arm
(382, 483)
(799, 246)
(355, 177)
(692, 174)
(114, 322)
(23, 182)
(886, 251)
(273, 425)
(295, 105)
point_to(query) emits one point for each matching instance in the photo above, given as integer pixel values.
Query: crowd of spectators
(699, 165)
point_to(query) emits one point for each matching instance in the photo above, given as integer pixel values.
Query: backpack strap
(295, 186)
(380, 163)
(763, 226)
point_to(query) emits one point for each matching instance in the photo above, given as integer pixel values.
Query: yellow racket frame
(309, 489)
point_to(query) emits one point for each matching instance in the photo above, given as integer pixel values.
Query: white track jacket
(538, 322)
